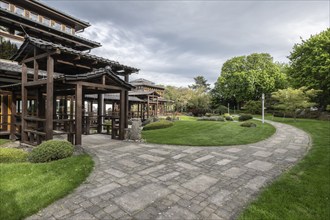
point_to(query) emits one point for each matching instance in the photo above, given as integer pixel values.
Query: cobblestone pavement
(147, 181)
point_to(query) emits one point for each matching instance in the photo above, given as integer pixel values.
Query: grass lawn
(25, 188)
(304, 191)
(3, 141)
(208, 133)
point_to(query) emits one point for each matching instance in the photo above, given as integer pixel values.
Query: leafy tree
(200, 82)
(290, 100)
(253, 107)
(310, 65)
(7, 49)
(245, 78)
(199, 102)
(180, 96)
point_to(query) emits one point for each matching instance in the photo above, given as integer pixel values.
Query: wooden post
(35, 66)
(4, 112)
(50, 97)
(78, 114)
(24, 136)
(148, 107)
(13, 118)
(122, 117)
(100, 103)
(126, 102)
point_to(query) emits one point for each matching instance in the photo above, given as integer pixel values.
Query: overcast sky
(171, 42)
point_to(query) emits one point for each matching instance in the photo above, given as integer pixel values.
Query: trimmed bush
(158, 125)
(12, 155)
(168, 118)
(51, 150)
(245, 117)
(208, 114)
(229, 118)
(212, 118)
(248, 124)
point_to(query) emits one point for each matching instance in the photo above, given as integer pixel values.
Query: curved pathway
(147, 181)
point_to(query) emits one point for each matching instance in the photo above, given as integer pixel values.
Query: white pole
(263, 108)
(228, 108)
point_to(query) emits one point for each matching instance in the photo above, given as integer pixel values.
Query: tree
(180, 96)
(199, 102)
(310, 65)
(290, 100)
(245, 78)
(200, 82)
(7, 49)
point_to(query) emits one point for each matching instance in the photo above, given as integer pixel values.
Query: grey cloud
(182, 39)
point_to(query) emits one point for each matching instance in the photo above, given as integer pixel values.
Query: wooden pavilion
(79, 74)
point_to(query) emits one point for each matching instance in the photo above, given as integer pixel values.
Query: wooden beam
(95, 85)
(35, 66)
(36, 83)
(24, 136)
(50, 97)
(73, 64)
(78, 115)
(40, 56)
(13, 118)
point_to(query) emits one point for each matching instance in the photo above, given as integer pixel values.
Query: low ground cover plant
(158, 125)
(248, 124)
(244, 117)
(12, 155)
(211, 118)
(51, 150)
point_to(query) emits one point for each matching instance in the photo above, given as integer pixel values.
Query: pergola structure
(80, 74)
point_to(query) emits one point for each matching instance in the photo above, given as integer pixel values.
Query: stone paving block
(82, 215)
(152, 169)
(201, 159)
(223, 162)
(177, 212)
(233, 172)
(168, 176)
(200, 183)
(256, 182)
(220, 197)
(110, 208)
(151, 157)
(129, 148)
(262, 153)
(192, 150)
(260, 165)
(158, 151)
(101, 190)
(233, 150)
(225, 155)
(281, 151)
(187, 166)
(142, 197)
(178, 156)
(291, 159)
(128, 163)
(294, 147)
(115, 173)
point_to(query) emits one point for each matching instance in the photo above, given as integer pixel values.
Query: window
(33, 16)
(67, 29)
(46, 21)
(56, 25)
(19, 11)
(4, 5)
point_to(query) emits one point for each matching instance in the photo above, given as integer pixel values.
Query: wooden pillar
(100, 107)
(4, 112)
(122, 117)
(71, 107)
(50, 98)
(157, 106)
(126, 102)
(24, 136)
(78, 114)
(35, 66)
(148, 107)
(13, 117)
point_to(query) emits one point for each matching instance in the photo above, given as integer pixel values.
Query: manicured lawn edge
(26, 188)
(303, 192)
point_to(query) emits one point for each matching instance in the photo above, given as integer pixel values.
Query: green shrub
(51, 150)
(168, 118)
(221, 109)
(208, 114)
(12, 155)
(245, 117)
(158, 125)
(226, 114)
(248, 124)
(229, 118)
(212, 118)
(253, 107)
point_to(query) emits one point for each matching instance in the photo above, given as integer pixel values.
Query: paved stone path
(147, 181)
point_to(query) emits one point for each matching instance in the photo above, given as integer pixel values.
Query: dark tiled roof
(141, 93)
(46, 45)
(144, 82)
(97, 73)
